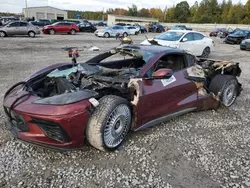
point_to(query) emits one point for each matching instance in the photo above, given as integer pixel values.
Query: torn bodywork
(206, 69)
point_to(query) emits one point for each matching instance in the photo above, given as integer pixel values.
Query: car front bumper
(232, 40)
(45, 31)
(99, 34)
(64, 132)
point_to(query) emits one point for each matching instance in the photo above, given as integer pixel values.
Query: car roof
(154, 48)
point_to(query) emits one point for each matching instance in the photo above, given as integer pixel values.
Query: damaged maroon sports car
(126, 88)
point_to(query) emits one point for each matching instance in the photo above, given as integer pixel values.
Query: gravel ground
(204, 149)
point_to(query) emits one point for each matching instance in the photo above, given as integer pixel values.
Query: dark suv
(41, 22)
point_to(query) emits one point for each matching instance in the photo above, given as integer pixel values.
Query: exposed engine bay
(85, 77)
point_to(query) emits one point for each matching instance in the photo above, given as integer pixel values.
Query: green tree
(144, 12)
(133, 11)
(182, 12)
(170, 15)
(193, 13)
(236, 14)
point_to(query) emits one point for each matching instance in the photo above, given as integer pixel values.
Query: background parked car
(245, 44)
(4, 20)
(156, 28)
(86, 27)
(112, 31)
(19, 28)
(215, 32)
(180, 27)
(61, 27)
(142, 29)
(133, 30)
(101, 23)
(237, 37)
(192, 41)
(41, 22)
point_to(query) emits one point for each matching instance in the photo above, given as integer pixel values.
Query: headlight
(67, 98)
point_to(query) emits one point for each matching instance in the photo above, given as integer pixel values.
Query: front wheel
(226, 87)
(106, 35)
(206, 52)
(52, 31)
(109, 124)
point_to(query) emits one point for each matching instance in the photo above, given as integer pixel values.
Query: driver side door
(164, 97)
(12, 28)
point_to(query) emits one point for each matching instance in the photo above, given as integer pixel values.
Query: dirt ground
(205, 149)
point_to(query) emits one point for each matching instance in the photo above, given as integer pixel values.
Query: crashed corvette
(127, 88)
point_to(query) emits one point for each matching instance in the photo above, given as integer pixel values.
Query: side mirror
(184, 39)
(162, 73)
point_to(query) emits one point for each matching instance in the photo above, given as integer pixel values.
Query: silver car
(19, 28)
(112, 31)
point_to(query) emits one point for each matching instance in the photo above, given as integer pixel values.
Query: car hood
(246, 40)
(235, 35)
(161, 42)
(101, 30)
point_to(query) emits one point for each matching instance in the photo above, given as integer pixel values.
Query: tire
(2, 34)
(106, 35)
(52, 31)
(206, 52)
(32, 34)
(137, 32)
(125, 34)
(226, 86)
(72, 32)
(109, 123)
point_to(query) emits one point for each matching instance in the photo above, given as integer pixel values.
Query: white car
(133, 30)
(112, 31)
(193, 42)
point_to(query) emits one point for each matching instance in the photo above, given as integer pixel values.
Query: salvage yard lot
(204, 149)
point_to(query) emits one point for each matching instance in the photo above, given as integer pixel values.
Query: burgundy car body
(155, 102)
(61, 27)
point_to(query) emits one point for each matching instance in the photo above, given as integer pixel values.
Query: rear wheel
(125, 34)
(52, 31)
(226, 86)
(72, 32)
(106, 35)
(2, 34)
(109, 124)
(32, 34)
(206, 52)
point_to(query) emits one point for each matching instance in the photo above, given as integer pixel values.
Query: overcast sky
(15, 6)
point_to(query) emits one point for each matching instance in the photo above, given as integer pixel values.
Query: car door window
(175, 62)
(23, 24)
(198, 36)
(189, 37)
(60, 24)
(15, 24)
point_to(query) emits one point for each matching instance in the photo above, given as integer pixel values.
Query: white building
(113, 19)
(45, 12)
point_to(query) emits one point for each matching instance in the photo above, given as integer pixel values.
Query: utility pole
(26, 6)
(103, 14)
